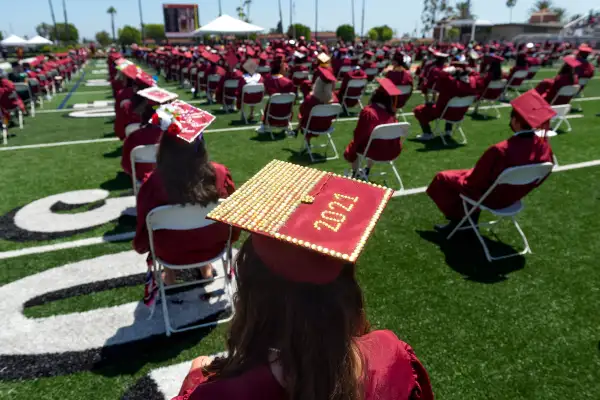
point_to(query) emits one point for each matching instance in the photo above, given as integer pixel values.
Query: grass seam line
(74, 88)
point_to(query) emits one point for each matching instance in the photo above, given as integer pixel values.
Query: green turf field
(522, 328)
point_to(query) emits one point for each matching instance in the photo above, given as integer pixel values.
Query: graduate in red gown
(381, 110)
(399, 73)
(249, 77)
(452, 82)
(299, 60)
(520, 65)
(183, 175)
(322, 93)
(323, 61)
(567, 76)
(144, 103)
(530, 112)
(232, 73)
(586, 69)
(300, 330)
(355, 74)
(275, 83)
(430, 73)
(213, 69)
(125, 115)
(9, 99)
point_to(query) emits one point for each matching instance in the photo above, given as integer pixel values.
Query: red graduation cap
(231, 60)
(585, 48)
(157, 95)
(369, 53)
(306, 224)
(263, 56)
(213, 58)
(182, 120)
(533, 109)
(388, 86)
(250, 51)
(144, 79)
(326, 75)
(572, 62)
(130, 71)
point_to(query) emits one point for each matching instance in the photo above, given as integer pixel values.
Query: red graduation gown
(370, 117)
(278, 84)
(401, 77)
(448, 87)
(354, 74)
(585, 70)
(181, 247)
(124, 117)
(548, 88)
(393, 373)
(521, 149)
(147, 134)
(233, 75)
(317, 123)
(9, 99)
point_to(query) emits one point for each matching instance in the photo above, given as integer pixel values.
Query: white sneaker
(425, 137)
(261, 129)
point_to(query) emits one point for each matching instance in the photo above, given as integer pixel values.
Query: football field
(73, 326)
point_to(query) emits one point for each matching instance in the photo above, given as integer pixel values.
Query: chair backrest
(561, 110)
(214, 78)
(371, 71)
(566, 93)
(519, 75)
(405, 89)
(179, 218)
(145, 154)
(22, 86)
(193, 71)
(583, 82)
(457, 108)
(253, 88)
(263, 69)
(326, 110)
(282, 98)
(357, 83)
(344, 69)
(129, 129)
(494, 90)
(534, 69)
(231, 84)
(499, 84)
(300, 75)
(390, 131)
(524, 174)
(460, 102)
(200, 74)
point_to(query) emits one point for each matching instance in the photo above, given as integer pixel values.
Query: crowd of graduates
(281, 344)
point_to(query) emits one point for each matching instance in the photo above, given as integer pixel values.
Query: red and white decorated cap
(306, 224)
(157, 95)
(182, 120)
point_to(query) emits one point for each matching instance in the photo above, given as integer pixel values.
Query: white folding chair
(563, 110)
(343, 70)
(279, 98)
(37, 97)
(532, 71)
(354, 84)
(516, 176)
(213, 80)
(300, 75)
(263, 69)
(491, 95)
(371, 74)
(21, 87)
(518, 75)
(251, 88)
(398, 130)
(322, 110)
(145, 154)
(4, 131)
(582, 83)
(199, 78)
(456, 102)
(405, 90)
(183, 77)
(183, 218)
(229, 84)
(129, 129)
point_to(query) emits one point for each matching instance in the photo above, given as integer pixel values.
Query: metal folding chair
(454, 103)
(145, 154)
(322, 110)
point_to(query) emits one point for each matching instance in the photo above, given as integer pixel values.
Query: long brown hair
(313, 327)
(188, 176)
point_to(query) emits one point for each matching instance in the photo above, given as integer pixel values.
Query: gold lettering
(333, 228)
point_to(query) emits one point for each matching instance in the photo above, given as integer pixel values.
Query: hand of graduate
(201, 362)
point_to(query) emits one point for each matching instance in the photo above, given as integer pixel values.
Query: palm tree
(67, 31)
(53, 20)
(247, 4)
(112, 11)
(541, 5)
(511, 4)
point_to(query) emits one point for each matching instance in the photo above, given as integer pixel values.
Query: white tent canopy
(469, 22)
(38, 40)
(14, 40)
(227, 25)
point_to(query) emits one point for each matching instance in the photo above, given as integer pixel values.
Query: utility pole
(362, 24)
(292, 27)
(220, 9)
(280, 16)
(141, 20)
(353, 26)
(53, 20)
(316, 19)
(67, 36)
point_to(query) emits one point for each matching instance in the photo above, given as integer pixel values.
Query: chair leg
(569, 129)
(20, 113)
(397, 175)
(462, 133)
(32, 106)
(498, 115)
(163, 296)
(336, 156)
(4, 135)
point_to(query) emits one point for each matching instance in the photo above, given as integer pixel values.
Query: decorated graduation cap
(182, 120)
(306, 224)
(250, 66)
(572, 62)
(143, 78)
(323, 58)
(157, 96)
(326, 75)
(532, 108)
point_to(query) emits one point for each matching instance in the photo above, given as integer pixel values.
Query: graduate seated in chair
(381, 110)
(183, 175)
(451, 82)
(530, 113)
(399, 71)
(9, 98)
(300, 330)
(586, 69)
(277, 83)
(355, 74)
(324, 63)
(567, 76)
(249, 77)
(322, 93)
(144, 102)
(125, 115)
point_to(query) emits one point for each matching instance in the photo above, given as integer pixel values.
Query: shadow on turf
(302, 157)
(436, 144)
(118, 152)
(121, 181)
(464, 255)
(265, 137)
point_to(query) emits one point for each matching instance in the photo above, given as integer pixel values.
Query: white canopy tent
(38, 41)
(227, 25)
(473, 23)
(13, 41)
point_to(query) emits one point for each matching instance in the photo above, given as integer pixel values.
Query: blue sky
(21, 17)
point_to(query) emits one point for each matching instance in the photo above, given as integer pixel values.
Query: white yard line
(130, 235)
(57, 144)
